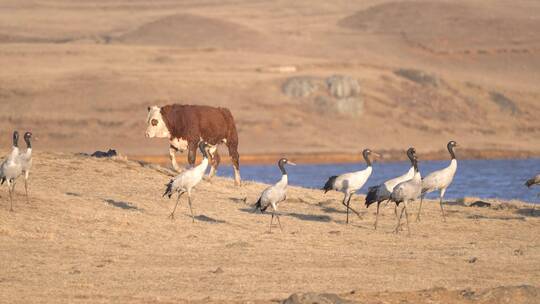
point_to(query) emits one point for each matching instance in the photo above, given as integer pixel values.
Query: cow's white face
(156, 126)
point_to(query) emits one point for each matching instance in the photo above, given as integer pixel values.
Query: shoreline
(341, 157)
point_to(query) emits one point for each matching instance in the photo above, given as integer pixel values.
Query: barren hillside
(80, 74)
(98, 231)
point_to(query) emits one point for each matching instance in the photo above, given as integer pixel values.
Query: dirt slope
(451, 27)
(97, 231)
(191, 31)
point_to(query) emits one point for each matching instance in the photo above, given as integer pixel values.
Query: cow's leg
(215, 162)
(235, 158)
(192, 153)
(172, 154)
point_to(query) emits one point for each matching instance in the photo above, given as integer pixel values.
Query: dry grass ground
(80, 75)
(96, 231)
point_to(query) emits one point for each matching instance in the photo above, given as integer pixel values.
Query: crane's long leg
(407, 217)
(10, 189)
(26, 187)
(395, 206)
(377, 216)
(441, 203)
(177, 200)
(420, 208)
(274, 211)
(271, 220)
(190, 209)
(346, 204)
(279, 222)
(348, 207)
(399, 221)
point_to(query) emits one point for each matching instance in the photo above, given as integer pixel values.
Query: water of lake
(479, 178)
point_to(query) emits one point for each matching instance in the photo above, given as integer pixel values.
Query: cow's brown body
(193, 123)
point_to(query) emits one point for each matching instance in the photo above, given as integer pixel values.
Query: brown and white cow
(186, 125)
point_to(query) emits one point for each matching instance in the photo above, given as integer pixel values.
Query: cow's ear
(148, 109)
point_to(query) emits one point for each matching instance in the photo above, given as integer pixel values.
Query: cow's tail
(232, 134)
(232, 143)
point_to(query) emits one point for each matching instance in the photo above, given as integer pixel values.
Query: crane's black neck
(451, 151)
(202, 147)
(366, 157)
(415, 165)
(16, 139)
(28, 143)
(410, 155)
(281, 166)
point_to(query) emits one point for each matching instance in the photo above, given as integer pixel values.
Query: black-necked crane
(185, 181)
(349, 183)
(440, 180)
(406, 192)
(26, 161)
(11, 168)
(275, 194)
(380, 193)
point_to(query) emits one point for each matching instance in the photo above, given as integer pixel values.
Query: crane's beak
(291, 163)
(376, 154)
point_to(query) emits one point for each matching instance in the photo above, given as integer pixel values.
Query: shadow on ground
(300, 216)
(503, 218)
(310, 217)
(204, 218)
(122, 205)
(532, 212)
